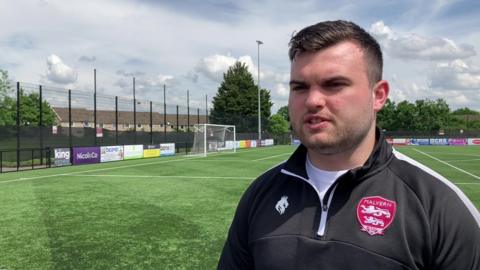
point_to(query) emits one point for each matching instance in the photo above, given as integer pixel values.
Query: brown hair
(325, 34)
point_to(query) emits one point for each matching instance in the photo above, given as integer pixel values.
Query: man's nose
(315, 99)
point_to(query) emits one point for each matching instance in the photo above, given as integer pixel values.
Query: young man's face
(332, 105)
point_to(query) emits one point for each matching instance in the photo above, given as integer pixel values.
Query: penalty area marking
(448, 164)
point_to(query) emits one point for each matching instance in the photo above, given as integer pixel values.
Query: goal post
(210, 138)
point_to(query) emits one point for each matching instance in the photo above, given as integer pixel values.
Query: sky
(431, 48)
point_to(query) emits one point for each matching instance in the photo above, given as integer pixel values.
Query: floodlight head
(259, 42)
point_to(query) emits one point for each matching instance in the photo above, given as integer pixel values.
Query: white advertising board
(111, 153)
(268, 142)
(133, 151)
(167, 149)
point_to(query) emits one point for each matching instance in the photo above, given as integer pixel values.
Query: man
(345, 199)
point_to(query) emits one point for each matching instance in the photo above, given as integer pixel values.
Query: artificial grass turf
(126, 218)
(164, 213)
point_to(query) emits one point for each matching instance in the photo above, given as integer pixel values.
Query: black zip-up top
(392, 213)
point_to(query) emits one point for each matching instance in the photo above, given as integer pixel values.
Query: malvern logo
(375, 214)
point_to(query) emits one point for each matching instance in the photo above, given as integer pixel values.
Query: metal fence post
(70, 118)
(188, 111)
(116, 120)
(95, 105)
(164, 115)
(18, 126)
(151, 124)
(40, 124)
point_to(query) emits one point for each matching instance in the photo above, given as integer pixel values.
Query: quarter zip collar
(378, 159)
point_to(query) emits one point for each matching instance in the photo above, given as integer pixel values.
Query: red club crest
(375, 214)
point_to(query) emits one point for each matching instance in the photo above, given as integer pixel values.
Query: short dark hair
(325, 34)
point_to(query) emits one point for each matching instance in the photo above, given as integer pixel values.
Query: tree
(386, 116)
(29, 106)
(431, 115)
(236, 102)
(277, 124)
(465, 111)
(5, 84)
(283, 111)
(405, 116)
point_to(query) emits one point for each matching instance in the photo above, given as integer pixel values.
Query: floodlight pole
(258, 84)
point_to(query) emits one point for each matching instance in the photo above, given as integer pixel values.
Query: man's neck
(346, 160)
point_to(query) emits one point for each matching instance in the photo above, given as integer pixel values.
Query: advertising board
(420, 141)
(269, 142)
(400, 141)
(150, 151)
(457, 141)
(133, 151)
(229, 144)
(86, 155)
(473, 141)
(62, 156)
(438, 141)
(111, 153)
(243, 144)
(167, 149)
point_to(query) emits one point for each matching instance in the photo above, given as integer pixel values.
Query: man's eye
(335, 85)
(297, 88)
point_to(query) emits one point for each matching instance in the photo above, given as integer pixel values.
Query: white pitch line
(463, 160)
(448, 164)
(95, 170)
(284, 154)
(467, 183)
(162, 176)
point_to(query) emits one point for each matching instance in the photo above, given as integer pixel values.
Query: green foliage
(465, 111)
(236, 102)
(283, 111)
(29, 106)
(423, 115)
(277, 124)
(5, 87)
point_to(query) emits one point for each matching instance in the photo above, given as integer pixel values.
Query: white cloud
(281, 90)
(456, 75)
(417, 47)
(214, 66)
(58, 72)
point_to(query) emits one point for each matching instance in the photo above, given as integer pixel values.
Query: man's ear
(380, 94)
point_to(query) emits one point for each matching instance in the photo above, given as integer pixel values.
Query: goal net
(210, 138)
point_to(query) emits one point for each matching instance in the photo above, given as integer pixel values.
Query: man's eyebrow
(297, 82)
(336, 78)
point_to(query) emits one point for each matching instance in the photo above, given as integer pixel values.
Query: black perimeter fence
(89, 119)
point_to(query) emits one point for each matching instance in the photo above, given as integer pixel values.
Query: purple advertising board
(86, 155)
(459, 141)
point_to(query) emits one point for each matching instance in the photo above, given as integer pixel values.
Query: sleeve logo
(375, 214)
(282, 205)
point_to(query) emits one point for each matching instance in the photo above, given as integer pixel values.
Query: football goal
(210, 138)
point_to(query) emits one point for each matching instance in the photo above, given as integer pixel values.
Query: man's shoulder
(434, 191)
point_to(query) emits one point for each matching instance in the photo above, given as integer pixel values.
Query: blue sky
(430, 47)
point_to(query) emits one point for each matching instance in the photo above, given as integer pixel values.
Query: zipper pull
(325, 207)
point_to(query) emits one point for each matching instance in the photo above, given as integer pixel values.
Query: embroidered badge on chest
(375, 214)
(282, 205)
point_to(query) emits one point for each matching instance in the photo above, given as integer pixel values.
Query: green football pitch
(161, 213)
